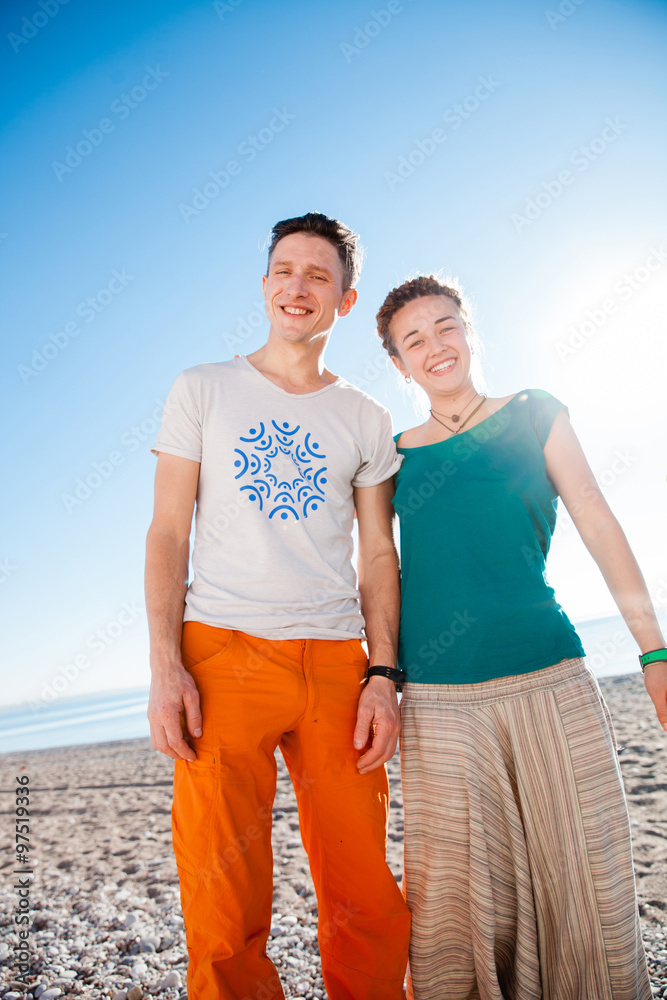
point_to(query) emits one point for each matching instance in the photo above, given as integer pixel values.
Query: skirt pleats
(518, 863)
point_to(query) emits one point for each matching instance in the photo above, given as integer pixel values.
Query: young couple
(518, 869)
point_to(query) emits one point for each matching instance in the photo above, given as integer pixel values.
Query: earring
(408, 378)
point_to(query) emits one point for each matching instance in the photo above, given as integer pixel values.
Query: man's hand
(378, 715)
(174, 695)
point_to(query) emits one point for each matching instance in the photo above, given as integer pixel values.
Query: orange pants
(301, 695)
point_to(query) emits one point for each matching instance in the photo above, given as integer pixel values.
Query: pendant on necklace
(455, 418)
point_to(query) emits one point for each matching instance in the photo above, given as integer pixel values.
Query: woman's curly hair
(417, 288)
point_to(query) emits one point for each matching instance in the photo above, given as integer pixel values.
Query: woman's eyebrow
(441, 320)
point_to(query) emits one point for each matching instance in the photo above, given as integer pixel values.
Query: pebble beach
(104, 912)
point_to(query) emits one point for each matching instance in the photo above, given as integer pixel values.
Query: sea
(121, 715)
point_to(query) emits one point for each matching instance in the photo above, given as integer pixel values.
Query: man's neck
(297, 368)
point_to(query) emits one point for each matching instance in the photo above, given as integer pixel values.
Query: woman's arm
(604, 538)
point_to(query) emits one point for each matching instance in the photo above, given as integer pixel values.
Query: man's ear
(349, 300)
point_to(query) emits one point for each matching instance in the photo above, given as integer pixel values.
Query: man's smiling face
(303, 290)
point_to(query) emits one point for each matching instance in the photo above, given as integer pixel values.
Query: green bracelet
(655, 656)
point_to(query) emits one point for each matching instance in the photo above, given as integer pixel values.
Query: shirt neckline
(284, 392)
(457, 437)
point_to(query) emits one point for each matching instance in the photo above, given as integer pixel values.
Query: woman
(518, 867)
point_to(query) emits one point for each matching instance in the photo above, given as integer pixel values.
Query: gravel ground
(104, 901)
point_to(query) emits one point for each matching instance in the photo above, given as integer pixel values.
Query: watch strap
(391, 673)
(654, 656)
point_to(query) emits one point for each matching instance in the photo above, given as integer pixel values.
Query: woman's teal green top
(477, 513)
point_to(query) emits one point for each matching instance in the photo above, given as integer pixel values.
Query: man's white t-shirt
(275, 508)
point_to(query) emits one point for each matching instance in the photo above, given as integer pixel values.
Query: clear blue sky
(438, 131)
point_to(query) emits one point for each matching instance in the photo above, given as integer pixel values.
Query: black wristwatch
(397, 676)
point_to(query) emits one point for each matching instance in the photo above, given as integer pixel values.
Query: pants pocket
(196, 790)
(201, 644)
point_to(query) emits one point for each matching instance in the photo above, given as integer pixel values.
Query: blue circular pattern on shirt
(281, 470)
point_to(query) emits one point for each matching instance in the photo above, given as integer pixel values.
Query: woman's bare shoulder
(495, 403)
(414, 437)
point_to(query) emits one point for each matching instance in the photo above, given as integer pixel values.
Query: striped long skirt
(518, 864)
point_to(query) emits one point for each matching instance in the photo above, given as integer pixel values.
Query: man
(263, 649)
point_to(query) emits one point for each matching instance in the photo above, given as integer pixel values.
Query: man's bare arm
(378, 573)
(173, 692)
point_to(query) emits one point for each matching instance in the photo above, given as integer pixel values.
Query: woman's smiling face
(432, 344)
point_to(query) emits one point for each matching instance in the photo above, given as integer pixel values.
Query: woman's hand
(655, 679)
